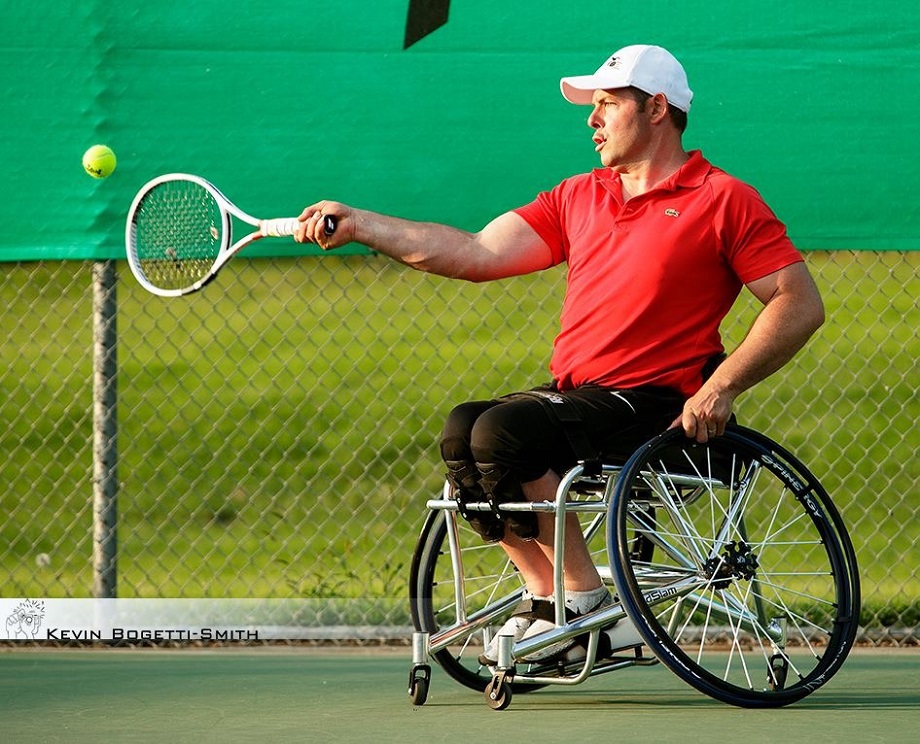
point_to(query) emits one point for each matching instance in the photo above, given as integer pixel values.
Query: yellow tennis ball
(99, 161)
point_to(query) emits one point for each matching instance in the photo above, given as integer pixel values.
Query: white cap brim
(580, 89)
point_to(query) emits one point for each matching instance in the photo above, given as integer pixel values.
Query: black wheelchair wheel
(752, 596)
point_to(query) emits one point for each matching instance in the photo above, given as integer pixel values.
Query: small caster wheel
(778, 671)
(498, 693)
(419, 679)
(418, 691)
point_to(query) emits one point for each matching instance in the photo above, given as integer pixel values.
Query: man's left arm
(792, 312)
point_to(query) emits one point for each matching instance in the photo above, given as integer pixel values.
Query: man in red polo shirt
(658, 244)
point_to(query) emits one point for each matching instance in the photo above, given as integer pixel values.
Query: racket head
(178, 228)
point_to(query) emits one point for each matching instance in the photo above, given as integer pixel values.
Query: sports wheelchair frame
(728, 557)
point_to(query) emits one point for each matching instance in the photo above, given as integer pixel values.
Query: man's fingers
(700, 427)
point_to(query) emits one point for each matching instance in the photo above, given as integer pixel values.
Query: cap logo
(614, 62)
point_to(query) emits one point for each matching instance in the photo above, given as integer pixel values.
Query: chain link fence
(277, 432)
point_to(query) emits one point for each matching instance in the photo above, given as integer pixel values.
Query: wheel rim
(751, 595)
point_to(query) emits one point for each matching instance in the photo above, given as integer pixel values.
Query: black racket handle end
(330, 223)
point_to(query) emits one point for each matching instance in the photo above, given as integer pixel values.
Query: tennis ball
(99, 161)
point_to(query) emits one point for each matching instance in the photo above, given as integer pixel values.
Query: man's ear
(658, 108)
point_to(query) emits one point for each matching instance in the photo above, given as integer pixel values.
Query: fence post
(105, 430)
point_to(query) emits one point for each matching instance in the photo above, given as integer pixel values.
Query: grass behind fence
(284, 434)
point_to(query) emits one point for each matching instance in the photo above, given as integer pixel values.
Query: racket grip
(279, 228)
(284, 226)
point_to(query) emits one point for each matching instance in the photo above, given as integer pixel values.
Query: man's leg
(512, 439)
(583, 590)
(535, 558)
(462, 472)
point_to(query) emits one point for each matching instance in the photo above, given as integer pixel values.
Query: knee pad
(464, 478)
(501, 486)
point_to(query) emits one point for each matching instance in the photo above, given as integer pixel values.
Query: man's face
(621, 128)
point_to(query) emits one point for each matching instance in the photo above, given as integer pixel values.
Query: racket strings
(177, 236)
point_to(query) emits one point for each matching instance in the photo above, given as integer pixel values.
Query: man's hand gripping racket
(179, 233)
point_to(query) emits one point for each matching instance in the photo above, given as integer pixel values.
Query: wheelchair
(728, 557)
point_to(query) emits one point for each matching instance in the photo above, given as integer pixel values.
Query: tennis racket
(179, 233)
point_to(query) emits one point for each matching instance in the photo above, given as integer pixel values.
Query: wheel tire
(778, 576)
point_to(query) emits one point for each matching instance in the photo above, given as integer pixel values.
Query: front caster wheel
(419, 679)
(498, 693)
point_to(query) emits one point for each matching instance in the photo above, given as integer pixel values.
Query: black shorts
(530, 433)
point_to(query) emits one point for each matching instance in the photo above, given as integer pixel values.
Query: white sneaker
(619, 637)
(530, 613)
(534, 616)
(567, 646)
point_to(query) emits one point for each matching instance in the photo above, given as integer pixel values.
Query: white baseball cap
(648, 68)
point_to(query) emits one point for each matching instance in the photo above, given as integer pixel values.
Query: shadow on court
(281, 695)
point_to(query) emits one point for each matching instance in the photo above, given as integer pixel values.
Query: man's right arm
(507, 246)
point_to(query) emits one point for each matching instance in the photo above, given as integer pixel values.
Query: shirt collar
(690, 175)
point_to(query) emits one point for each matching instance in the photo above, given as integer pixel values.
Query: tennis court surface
(358, 695)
